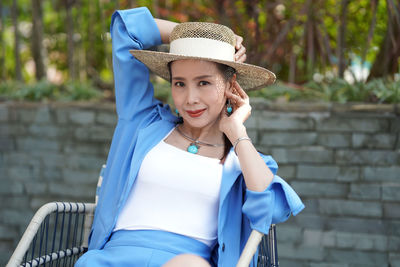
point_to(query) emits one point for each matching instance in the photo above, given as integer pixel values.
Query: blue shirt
(143, 121)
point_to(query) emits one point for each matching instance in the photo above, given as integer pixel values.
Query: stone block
(384, 141)
(17, 202)
(391, 210)
(288, 234)
(334, 139)
(362, 241)
(311, 206)
(349, 174)
(394, 259)
(61, 115)
(52, 174)
(393, 227)
(391, 192)
(365, 191)
(356, 225)
(10, 187)
(314, 189)
(289, 121)
(369, 258)
(15, 217)
(328, 264)
(36, 188)
(388, 174)
(35, 144)
(47, 131)
(394, 243)
(108, 118)
(3, 113)
(83, 117)
(85, 162)
(288, 139)
(339, 207)
(7, 233)
(20, 173)
(72, 190)
(287, 171)
(81, 176)
(318, 172)
(7, 144)
(395, 124)
(303, 155)
(366, 157)
(300, 252)
(38, 115)
(341, 124)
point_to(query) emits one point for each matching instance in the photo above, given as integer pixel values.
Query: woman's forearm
(256, 173)
(165, 27)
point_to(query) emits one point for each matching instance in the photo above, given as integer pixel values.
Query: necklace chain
(197, 142)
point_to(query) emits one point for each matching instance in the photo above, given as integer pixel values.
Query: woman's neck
(209, 133)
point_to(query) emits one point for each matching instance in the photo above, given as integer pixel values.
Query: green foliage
(334, 90)
(44, 90)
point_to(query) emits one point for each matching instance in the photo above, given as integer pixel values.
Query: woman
(191, 186)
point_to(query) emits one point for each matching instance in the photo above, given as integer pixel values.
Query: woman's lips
(195, 113)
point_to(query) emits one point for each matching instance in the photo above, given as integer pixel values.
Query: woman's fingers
(240, 90)
(240, 55)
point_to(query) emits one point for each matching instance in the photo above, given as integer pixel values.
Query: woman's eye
(202, 83)
(179, 84)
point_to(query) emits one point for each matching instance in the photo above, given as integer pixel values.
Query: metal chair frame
(74, 220)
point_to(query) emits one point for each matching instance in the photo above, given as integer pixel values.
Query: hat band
(202, 47)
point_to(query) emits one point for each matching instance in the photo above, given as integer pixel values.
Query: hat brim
(250, 77)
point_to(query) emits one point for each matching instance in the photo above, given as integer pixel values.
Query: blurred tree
(17, 58)
(2, 45)
(37, 39)
(69, 22)
(387, 60)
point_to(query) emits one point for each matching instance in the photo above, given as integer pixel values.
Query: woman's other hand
(240, 54)
(233, 125)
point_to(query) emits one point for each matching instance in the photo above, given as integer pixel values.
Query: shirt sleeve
(274, 205)
(132, 29)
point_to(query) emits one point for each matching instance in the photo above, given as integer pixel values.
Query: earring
(177, 112)
(229, 108)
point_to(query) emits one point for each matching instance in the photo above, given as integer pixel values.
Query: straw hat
(205, 41)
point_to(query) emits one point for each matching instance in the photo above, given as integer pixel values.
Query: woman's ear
(232, 83)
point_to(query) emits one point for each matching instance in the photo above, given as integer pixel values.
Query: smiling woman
(175, 192)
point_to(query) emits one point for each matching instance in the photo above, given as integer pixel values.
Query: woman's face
(198, 91)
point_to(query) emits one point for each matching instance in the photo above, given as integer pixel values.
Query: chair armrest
(250, 248)
(39, 218)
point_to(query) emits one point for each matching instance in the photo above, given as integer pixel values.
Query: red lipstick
(195, 113)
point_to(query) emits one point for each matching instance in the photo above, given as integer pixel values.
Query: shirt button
(223, 247)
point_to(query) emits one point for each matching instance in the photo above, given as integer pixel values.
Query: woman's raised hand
(240, 55)
(233, 125)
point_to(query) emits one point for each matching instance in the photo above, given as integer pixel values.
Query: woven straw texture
(203, 30)
(250, 77)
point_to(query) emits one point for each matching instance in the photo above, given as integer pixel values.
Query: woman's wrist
(236, 133)
(165, 27)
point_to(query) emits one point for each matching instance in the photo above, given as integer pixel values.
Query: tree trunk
(37, 39)
(131, 3)
(70, 39)
(14, 14)
(386, 62)
(2, 48)
(341, 42)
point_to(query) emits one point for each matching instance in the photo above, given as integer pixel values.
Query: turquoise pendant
(193, 148)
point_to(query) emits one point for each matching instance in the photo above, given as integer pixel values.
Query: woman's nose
(192, 96)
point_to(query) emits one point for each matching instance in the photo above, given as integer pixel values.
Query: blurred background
(331, 120)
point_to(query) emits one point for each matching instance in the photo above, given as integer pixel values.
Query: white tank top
(175, 191)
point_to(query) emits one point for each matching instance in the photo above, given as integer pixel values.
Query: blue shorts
(143, 248)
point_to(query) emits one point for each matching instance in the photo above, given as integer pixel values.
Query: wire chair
(58, 234)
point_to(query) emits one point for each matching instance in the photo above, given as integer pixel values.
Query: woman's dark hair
(227, 72)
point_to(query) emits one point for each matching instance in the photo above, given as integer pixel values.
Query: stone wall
(343, 160)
